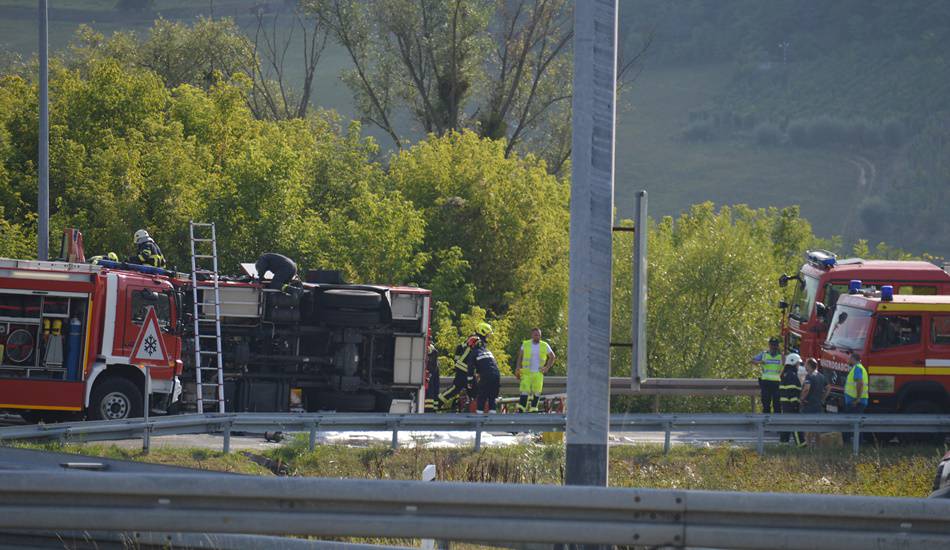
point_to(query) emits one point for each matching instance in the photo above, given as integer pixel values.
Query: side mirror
(783, 305)
(821, 310)
(783, 280)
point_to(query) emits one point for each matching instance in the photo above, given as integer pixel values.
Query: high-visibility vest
(526, 354)
(850, 386)
(771, 366)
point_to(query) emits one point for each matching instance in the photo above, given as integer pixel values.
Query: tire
(115, 399)
(922, 406)
(342, 298)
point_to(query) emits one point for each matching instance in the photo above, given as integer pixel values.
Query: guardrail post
(656, 403)
(478, 435)
(395, 442)
(313, 436)
(227, 438)
(666, 437)
(760, 436)
(856, 438)
(752, 403)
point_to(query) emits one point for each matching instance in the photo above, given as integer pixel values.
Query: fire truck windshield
(849, 328)
(803, 301)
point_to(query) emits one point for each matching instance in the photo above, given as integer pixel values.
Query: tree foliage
(499, 67)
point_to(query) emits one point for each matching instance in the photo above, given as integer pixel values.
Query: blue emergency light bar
(887, 293)
(854, 286)
(821, 258)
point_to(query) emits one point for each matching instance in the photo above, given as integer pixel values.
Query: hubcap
(115, 406)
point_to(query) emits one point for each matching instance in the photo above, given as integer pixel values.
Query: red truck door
(897, 350)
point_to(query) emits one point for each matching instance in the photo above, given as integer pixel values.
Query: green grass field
(890, 471)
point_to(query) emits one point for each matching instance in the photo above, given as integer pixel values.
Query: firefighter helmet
(793, 360)
(483, 329)
(141, 236)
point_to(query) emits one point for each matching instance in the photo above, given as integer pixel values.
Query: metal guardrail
(753, 424)
(480, 512)
(649, 386)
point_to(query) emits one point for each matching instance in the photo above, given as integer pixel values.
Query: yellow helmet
(483, 329)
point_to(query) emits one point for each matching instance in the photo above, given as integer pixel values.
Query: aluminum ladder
(209, 364)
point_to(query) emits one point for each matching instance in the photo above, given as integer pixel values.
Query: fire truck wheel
(343, 298)
(115, 399)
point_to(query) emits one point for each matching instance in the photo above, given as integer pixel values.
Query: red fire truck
(66, 333)
(824, 278)
(903, 341)
(67, 330)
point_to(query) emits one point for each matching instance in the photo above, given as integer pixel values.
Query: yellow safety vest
(771, 366)
(850, 386)
(526, 354)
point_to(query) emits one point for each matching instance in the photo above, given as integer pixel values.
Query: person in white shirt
(535, 358)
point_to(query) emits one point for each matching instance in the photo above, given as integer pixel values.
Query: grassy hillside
(652, 154)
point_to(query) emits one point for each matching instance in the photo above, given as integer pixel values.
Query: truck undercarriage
(316, 347)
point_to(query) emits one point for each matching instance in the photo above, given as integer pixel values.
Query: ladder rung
(197, 240)
(206, 319)
(208, 352)
(204, 256)
(201, 224)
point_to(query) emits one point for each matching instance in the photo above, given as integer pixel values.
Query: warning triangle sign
(149, 349)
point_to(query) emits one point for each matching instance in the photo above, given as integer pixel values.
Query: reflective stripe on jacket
(771, 366)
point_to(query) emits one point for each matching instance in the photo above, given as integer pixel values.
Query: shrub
(893, 133)
(699, 131)
(826, 130)
(768, 134)
(798, 133)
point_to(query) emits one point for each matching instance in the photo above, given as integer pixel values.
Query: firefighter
(283, 268)
(432, 379)
(771, 363)
(790, 387)
(147, 251)
(535, 358)
(448, 400)
(480, 361)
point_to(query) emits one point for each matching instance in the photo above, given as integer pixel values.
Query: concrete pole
(42, 227)
(639, 310)
(592, 189)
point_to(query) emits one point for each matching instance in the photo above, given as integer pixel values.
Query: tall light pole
(42, 226)
(592, 192)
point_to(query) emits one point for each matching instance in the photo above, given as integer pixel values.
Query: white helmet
(141, 236)
(793, 359)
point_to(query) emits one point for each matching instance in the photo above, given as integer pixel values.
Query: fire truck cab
(824, 278)
(66, 335)
(903, 342)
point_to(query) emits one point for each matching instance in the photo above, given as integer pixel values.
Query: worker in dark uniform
(448, 400)
(789, 389)
(432, 379)
(480, 361)
(283, 268)
(147, 251)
